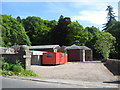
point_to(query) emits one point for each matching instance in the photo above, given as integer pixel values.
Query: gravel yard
(79, 71)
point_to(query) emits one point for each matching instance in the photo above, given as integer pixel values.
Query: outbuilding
(79, 53)
(45, 48)
(37, 52)
(36, 57)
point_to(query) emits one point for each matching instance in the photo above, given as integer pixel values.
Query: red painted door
(73, 55)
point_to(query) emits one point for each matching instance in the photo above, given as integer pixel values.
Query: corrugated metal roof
(45, 47)
(78, 47)
(84, 47)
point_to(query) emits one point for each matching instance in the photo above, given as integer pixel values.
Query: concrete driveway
(78, 71)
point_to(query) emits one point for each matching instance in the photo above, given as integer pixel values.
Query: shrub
(5, 66)
(0, 71)
(29, 73)
(11, 66)
(9, 69)
(18, 63)
(1, 61)
(7, 73)
(17, 68)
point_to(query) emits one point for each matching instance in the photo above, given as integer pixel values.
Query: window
(62, 55)
(49, 55)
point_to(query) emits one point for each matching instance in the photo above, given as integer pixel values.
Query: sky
(87, 12)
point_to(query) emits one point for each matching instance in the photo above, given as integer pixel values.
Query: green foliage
(76, 34)
(29, 73)
(9, 69)
(18, 31)
(6, 66)
(1, 61)
(115, 31)
(60, 32)
(17, 68)
(38, 29)
(18, 63)
(13, 32)
(7, 73)
(93, 33)
(110, 17)
(19, 19)
(0, 71)
(104, 44)
(13, 67)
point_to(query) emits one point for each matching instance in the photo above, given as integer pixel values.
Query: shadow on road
(113, 82)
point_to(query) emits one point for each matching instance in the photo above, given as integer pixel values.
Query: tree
(51, 24)
(93, 33)
(110, 17)
(60, 31)
(38, 29)
(115, 31)
(104, 44)
(13, 33)
(76, 34)
(19, 19)
(61, 19)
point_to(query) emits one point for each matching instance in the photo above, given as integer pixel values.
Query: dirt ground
(79, 71)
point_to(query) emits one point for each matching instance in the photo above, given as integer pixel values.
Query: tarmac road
(16, 83)
(78, 71)
(31, 82)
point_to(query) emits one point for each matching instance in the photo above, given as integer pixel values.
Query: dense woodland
(36, 31)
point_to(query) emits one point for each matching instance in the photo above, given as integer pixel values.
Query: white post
(83, 55)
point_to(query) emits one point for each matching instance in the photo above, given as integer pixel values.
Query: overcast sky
(86, 12)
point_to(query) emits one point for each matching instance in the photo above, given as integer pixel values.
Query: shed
(79, 53)
(46, 48)
(36, 57)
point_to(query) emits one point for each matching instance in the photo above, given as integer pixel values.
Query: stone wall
(24, 56)
(113, 65)
(12, 57)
